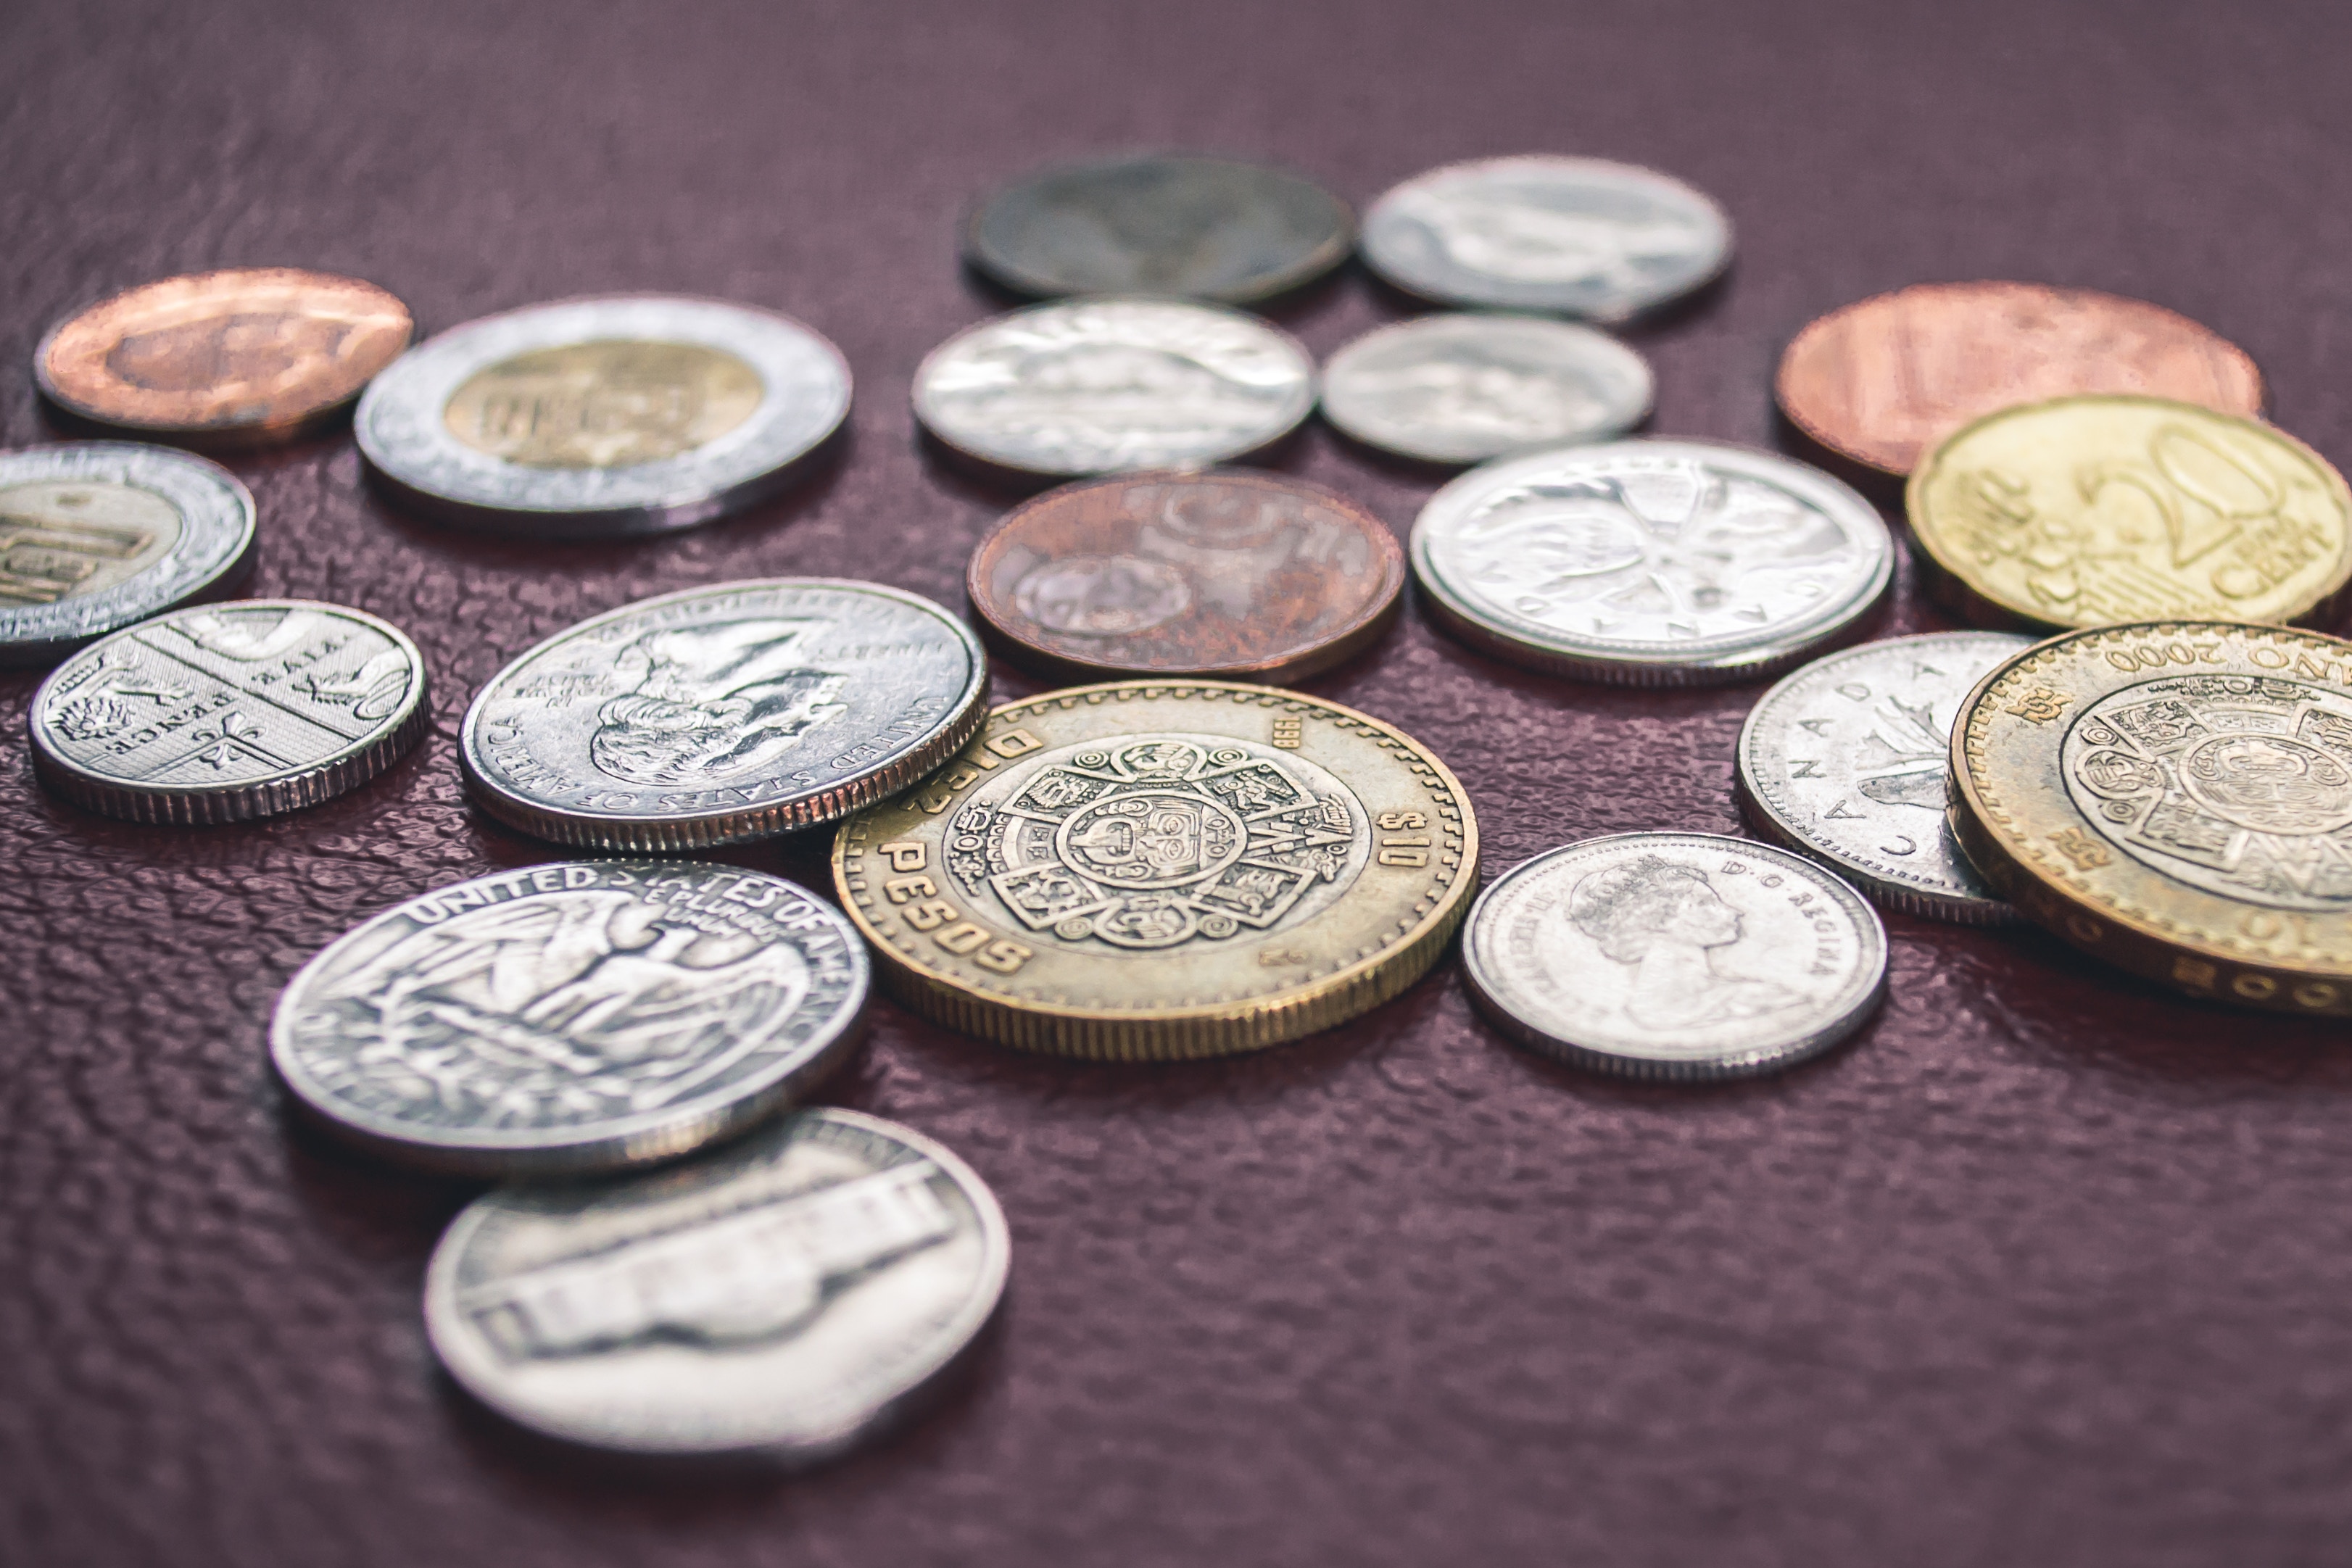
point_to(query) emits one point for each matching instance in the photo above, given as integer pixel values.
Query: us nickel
(1464, 388)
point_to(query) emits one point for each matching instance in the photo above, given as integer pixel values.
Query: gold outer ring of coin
(879, 868)
(2020, 825)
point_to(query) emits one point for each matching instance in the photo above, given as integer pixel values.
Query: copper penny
(1187, 574)
(239, 358)
(1883, 379)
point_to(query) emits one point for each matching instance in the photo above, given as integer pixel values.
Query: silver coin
(571, 1017)
(1109, 386)
(1845, 760)
(723, 713)
(1674, 955)
(1651, 562)
(1462, 389)
(221, 713)
(594, 417)
(787, 1294)
(98, 535)
(1578, 236)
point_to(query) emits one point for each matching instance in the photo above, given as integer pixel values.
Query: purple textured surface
(2046, 1268)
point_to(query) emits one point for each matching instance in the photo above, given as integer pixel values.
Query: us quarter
(1674, 955)
(1464, 388)
(592, 417)
(1651, 562)
(785, 1295)
(724, 713)
(571, 1017)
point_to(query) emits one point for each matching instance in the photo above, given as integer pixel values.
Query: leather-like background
(2046, 1268)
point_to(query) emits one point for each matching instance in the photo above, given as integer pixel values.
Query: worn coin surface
(220, 360)
(2087, 512)
(571, 1017)
(1651, 562)
(1156, 870)
(786, 1294)
(1674, 955)
(1464, 388)
(219, 712)
(1845, 760)
(96, 535)
(1203, 227)
(717, 713)
(1104, 386)
(1216, 574)
(1880, 380)
(588, 417)
(1578, 237)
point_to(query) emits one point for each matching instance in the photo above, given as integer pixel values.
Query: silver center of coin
(1461, 389)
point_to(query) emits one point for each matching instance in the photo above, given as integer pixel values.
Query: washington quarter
(1461, 389)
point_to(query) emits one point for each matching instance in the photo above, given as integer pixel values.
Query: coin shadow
(368, 1207)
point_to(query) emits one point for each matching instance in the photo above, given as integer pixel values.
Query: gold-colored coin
(2106, 508)
(2175, 798)
(604, 404)
(1148, 871)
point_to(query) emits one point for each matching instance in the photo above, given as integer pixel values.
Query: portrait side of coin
(1845, 760)
(787, 1294)
(1150, 871)
(221, 713)
(1674, 955)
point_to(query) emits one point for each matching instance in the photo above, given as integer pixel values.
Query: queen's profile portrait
(1668, 924)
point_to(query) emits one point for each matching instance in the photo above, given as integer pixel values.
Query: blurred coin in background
(1466, 388)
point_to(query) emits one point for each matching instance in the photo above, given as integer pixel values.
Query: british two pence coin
(1242, 575)
(1651, 562)
(786, 1294)
(1154, 870)
(220, 713)
(607, 417)
(1674, 955)
(724, 713)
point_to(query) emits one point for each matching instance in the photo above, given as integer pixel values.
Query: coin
(237, 358)
(1651, 562)
(590, 417)
(1149, 869)
(1845, 761)
(96, 535)
(1218, 574)
(1674, 955)
(1578, 237)
(787, 1294)
(221, 713)
(1883, 379)
(1105, 386)
(1159, 224)
(2088, 511)
(1461, 389)
(724, 713)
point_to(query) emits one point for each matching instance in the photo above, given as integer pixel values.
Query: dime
(1674, 955)
(1651, 562)
(2090, 511)
(723, 713)
(1461, 389)
(1157, 225)
(221, 713)
(1845, 762)
(787, 1294)
(1219, 574)
(96, 535)
(593, 417)
(1154, 871)
(1884, 379)
(237, 358)
(1107, 386)
(1578, 237)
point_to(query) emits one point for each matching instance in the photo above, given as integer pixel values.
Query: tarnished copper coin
(1883, 379)
(239, 358)
(1187, 574)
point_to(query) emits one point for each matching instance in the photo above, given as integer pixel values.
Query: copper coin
(1883, 379)
(1187, 574)
(239, 358)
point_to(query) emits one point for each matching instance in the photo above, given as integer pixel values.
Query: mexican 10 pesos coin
(1150, 871)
